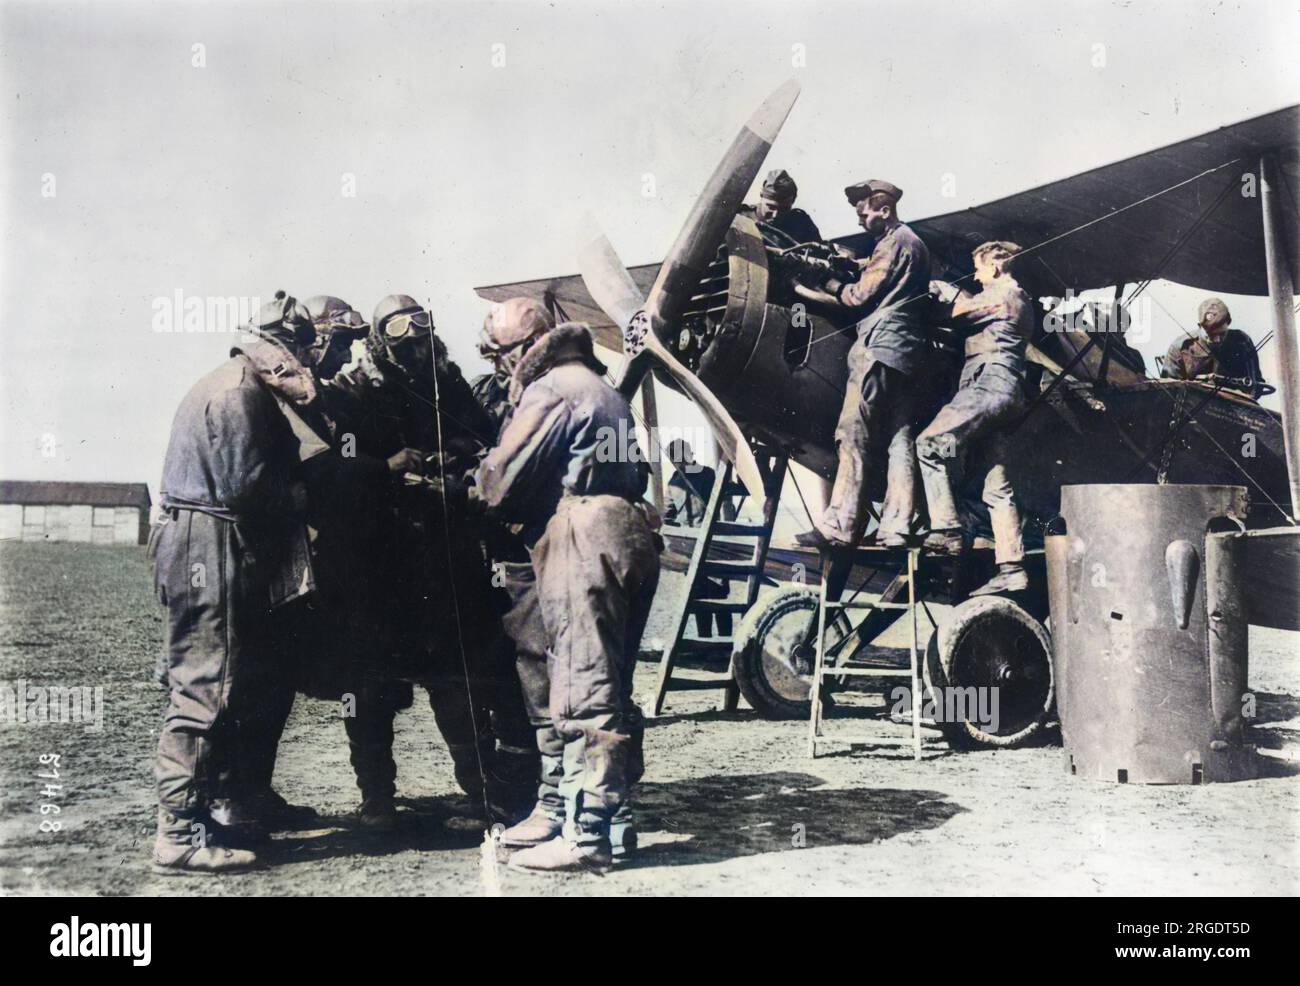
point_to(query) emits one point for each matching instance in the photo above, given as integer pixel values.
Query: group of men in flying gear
(351, 525)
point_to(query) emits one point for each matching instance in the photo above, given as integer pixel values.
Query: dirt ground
(730, 803)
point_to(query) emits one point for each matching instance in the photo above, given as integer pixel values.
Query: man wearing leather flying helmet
(338, 325)
(439, 606)
(507, 329)
(596, 565)
(233, 504)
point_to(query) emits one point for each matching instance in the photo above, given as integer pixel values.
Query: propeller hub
(634, 336)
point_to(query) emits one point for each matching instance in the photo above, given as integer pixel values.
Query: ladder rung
(733, 568)
(865, 605)
(719, 680)
(866, 740)
(705, 645)
(731, 527)
(868, 672)
(923, 723)
(718, 606)
(879, 549)
(737, 556)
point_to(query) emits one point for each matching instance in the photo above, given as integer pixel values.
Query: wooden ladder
(715, 613)
(831, 602)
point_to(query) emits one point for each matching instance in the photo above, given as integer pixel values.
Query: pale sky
(228, 178)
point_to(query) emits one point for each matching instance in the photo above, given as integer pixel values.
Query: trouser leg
(596, 566)
(497, 679)
(478, 703)
(524, 625)
(1004, 511)
(517, 760)
(900, 479)
(260, 734)
(876, 415)
(370, 740)
(840, 519)
(976, 415)
(549, 744)
(633, 718)
(465, 729)
(536, 681)
(942, 447)
(938, 451)
(370, 747)
(213, 637)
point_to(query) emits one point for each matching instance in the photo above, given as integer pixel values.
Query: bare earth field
(724, 800)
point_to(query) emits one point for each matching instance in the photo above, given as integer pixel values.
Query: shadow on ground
(711, 819)
(1275, 707)
(681, 822)
(1270, 708)
(432, 824)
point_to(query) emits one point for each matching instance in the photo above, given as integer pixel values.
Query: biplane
(718, 319)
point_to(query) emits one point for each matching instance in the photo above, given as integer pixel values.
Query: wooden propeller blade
(612, 288)
(731, 440)
(607, 280)
(696, 244)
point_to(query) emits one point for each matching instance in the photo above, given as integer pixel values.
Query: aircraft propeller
(612, 287)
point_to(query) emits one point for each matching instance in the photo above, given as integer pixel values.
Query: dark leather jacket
(232, 453)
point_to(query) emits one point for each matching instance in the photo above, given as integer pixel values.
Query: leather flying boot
(562, 855)
(276, 813)
(622, 833)
(182, 848)
(542, 825)
(377, 814)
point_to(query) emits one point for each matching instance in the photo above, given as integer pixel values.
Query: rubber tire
(973, 616)
(747, 654)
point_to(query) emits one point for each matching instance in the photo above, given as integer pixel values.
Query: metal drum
(1149, 632)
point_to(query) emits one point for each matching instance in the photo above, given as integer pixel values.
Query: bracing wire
(451, 563)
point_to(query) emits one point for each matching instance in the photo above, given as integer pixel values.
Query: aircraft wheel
(772, 665)
(988, 643)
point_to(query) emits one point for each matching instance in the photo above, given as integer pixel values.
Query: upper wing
(1225, 254)
(1128, 244)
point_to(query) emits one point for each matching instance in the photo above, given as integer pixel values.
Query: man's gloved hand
(454, 490)
(407, 460)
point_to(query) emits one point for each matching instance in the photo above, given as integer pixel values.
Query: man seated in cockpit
(1216, 351)
(776, 209)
